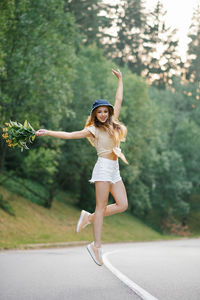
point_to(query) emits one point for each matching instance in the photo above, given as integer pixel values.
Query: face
(102, 114)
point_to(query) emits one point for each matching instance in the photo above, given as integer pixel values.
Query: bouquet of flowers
(18, 135)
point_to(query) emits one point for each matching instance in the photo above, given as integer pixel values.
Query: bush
(4, 204)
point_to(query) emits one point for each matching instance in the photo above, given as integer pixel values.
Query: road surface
(163, 269)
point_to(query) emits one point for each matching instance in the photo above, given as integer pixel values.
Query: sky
(179, 16)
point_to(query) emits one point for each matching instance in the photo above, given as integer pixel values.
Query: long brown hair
(115, 128)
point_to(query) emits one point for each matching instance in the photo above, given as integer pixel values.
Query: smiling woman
(102, 114)
(105, 133)
(103, 124)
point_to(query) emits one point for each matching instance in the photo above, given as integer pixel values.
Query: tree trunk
(49, 200)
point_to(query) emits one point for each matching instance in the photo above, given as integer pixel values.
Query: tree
(43, 163)
(127, 48)
(38, 55)
(193, 61)
(91, 19)
(175, 148)
(187, 142)
(192, 65)
(160, 43)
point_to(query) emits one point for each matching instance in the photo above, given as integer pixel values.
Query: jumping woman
(105, 133)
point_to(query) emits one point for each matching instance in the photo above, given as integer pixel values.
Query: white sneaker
(96, 253)
(83, 220)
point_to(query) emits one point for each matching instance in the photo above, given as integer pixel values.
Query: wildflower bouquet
(18, 135)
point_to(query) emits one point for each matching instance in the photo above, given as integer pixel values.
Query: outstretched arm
(119, 94)
(65, 135)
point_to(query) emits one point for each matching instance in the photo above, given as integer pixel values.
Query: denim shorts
(106, 170)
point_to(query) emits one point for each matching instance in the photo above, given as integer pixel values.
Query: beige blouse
(104, 143)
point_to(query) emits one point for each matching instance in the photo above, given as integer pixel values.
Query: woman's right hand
(117, 73)
(41, 132)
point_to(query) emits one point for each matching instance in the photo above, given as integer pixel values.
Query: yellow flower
(5, 135)
(5, 129)
(6, 124)
(9, 143)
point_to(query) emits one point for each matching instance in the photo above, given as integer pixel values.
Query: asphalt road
(165, 269)
(168, 270)
(57, 274)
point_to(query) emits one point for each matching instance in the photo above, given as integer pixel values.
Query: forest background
(55, 61)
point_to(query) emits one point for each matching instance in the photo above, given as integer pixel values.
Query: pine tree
(160, 44)
(193, 61)
(127, 48)
(90, 17)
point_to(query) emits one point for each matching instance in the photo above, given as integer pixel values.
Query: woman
(104, 132)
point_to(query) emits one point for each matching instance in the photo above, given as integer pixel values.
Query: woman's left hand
(117, 73)
(41, 132)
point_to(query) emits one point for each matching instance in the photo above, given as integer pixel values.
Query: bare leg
(119, 193)
(102, 193)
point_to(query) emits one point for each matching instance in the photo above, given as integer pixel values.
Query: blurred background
(56, 58)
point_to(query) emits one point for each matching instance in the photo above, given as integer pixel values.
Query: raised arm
(65, 135)
(119, 94)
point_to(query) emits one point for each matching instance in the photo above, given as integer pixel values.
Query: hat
(100, 102)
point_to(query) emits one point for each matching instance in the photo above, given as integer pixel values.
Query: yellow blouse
(104, 143)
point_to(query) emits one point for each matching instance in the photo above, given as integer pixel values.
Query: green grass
(194, 221)
(194, 215)
(34, 224)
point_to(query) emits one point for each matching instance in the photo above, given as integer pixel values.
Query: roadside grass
(193, 218)
(33, 224)
(194, 221)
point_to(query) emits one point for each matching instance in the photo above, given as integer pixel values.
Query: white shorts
(106, 170)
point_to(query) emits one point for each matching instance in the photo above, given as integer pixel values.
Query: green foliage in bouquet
(18, 135)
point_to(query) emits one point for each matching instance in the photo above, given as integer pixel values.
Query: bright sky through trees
(179, 15)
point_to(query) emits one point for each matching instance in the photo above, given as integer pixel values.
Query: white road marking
(136, 288)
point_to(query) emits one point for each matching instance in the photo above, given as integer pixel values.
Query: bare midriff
(111, 156)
